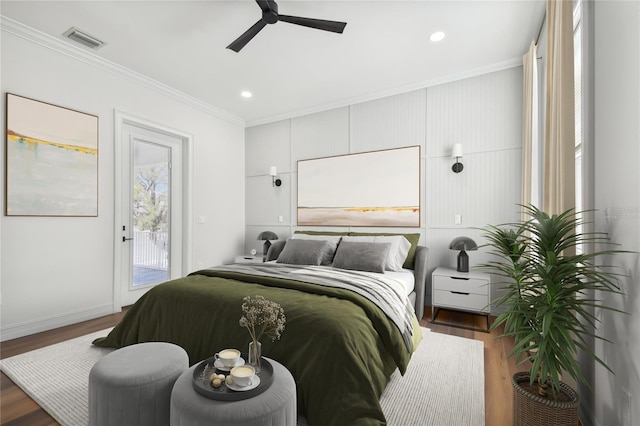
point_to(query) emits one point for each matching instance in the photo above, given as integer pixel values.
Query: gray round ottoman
(276, 406)
(132, 385)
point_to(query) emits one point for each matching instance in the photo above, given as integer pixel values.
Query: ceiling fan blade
(267, 5)
(245, 38)
(319, 24)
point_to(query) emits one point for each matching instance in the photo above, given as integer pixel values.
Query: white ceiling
(291, 69)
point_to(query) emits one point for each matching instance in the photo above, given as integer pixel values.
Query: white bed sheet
(406, 277)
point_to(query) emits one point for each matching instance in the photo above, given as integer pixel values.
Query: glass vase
(255, 355)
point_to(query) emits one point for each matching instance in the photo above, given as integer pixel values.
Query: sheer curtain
(559, 163)
(530, 160)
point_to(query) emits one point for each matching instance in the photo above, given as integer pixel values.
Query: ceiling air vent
(83, 38)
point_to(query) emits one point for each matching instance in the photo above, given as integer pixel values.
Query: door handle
(126, 239)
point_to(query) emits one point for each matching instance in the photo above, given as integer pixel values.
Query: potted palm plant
(549, 293)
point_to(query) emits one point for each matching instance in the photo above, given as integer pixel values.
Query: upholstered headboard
(419, 266)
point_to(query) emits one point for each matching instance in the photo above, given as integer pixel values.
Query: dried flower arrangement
(260, 317)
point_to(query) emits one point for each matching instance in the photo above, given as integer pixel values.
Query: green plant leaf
(550, 289)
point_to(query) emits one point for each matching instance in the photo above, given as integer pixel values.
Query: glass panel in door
(150, 213)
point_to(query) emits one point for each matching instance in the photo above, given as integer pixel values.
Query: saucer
(255, 382)
(217, 364)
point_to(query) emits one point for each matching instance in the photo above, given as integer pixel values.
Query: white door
(151, 216)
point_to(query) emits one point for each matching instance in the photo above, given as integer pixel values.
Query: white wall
(484, 113)
(617, 199)
(59, 270)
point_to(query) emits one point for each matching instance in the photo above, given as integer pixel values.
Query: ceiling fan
(270, 16)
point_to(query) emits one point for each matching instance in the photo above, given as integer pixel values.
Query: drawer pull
(460, 292)
(459, 278)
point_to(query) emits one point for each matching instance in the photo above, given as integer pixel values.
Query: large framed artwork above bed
(351, 300)
(377, 188)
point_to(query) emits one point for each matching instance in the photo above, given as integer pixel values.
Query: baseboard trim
(43, 324)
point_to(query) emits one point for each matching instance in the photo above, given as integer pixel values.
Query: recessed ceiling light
(437, 36)
(246, 94)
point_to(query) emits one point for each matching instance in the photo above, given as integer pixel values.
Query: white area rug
(444, 384)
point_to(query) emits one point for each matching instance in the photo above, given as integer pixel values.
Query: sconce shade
(456, 152)
(463, 244)
(267, 236)
(273, 172)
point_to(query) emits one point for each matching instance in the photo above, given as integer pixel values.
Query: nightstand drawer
(462, 285)
(460, 300)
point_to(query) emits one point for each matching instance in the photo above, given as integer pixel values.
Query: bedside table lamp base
(463, 261)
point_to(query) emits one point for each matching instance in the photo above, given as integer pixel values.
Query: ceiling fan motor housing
(270, 16)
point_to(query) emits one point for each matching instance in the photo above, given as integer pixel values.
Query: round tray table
(274, 406)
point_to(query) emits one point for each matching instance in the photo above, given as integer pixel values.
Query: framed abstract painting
(51, 160)
(377, 188)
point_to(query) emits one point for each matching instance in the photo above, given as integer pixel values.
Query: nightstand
(248, 258)
(460, 291)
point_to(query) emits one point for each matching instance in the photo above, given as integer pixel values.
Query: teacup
(242, 375)
(228, 357)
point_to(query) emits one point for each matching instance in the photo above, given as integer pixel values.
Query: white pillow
(398, 253)
(359, 238)
(333, 241)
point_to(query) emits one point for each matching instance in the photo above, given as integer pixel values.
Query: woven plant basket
(530, 409)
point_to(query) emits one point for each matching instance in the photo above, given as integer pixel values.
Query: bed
(340, 343)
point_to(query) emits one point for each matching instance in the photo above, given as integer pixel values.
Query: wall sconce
(275, 181)
(463, 244)
(456, 153)
(266, 236)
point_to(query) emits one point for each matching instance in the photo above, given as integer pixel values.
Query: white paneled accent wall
(323, 134)
(482, 113)
(392, 122)
(487, 190)
(270, 146)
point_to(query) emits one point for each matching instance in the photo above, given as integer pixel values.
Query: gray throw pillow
(303, 252)
(333, 241)
(359, 256)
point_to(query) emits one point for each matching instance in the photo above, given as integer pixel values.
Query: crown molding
(28, 33)
(31, 34)
(475, 72)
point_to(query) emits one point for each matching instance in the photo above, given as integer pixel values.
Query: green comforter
(340, 348)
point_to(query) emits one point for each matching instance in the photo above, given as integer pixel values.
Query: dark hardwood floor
(17, 409)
